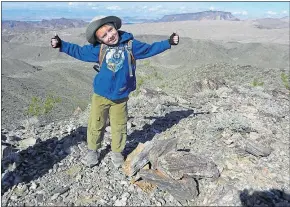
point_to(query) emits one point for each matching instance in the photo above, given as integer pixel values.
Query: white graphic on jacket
(115, 59)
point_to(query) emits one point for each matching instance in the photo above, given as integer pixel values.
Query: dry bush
(231, 120)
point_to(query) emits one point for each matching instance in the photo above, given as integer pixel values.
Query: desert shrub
(285, 80)
(232, 121)
(49, 103)
(39, 106)
(257, 83)
(34, 107)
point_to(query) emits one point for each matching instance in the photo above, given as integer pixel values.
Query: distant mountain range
(11, 25)
(205, 15)
(61, 23)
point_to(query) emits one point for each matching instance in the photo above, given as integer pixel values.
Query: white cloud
(271, 13)
(284, 12)
(211, 8)
(74, 3)
(241, 13)
(91, 5)
(115, 8)
(156, 8)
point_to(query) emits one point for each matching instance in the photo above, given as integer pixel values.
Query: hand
(174, 39)
(56, 41)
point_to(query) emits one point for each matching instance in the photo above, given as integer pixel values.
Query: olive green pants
(118, 113)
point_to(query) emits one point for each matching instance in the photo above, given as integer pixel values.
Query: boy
(114, 82)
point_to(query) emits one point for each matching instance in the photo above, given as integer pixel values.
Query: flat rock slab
(257, 149)
(178, 164)
(150, 152)
(137, 159)
(182, 190)
(160, 164)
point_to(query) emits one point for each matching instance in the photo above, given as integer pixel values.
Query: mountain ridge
(205, 15)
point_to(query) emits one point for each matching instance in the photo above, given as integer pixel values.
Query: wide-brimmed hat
(96, 23)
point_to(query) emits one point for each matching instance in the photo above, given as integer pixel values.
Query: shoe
(117, 159)
(92, 158)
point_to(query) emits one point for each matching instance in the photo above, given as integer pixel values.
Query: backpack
(128, 48)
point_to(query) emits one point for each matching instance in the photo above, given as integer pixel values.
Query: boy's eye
(110, 29)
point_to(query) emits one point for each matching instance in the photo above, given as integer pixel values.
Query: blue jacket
(113, 81)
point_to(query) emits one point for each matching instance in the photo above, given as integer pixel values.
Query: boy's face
(108, 35)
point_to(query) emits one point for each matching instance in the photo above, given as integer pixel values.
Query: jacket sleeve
(143, 50)
(87, 53)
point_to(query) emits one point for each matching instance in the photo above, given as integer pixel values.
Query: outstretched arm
(87, 53)
(143, 50)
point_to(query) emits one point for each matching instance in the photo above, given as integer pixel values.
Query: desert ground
(223, 92)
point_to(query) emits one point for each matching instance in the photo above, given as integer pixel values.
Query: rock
(22, 188)
(33, 186)
(184, 189)
(150, 153)
(131, 188)
(161, 201)
(25, 143)
(108, 129)
(257, 149)
(55, 196)
(125, 196)
(123, 182)
(161, 148)
(39, 197)
(14, 197)
(78, 177)
(61, 190)
(226, 133)
(120, 202)
(180, 163)
(138, 158)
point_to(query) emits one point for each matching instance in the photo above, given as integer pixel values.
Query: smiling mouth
(113, 40)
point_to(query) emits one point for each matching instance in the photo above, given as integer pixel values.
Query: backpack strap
(131, 59)
(102, 53)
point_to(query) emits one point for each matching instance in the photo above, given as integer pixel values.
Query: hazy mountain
(62, 23)
(205, 15)
(272, 23)
(285, 19)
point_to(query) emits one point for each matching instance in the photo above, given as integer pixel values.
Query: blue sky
(151, 10)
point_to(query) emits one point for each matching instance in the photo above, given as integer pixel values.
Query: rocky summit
(243, 131)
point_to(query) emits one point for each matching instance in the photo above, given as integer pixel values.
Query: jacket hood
(125, 36)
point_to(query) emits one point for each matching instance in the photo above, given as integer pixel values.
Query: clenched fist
(55, 41)
(174, 39)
